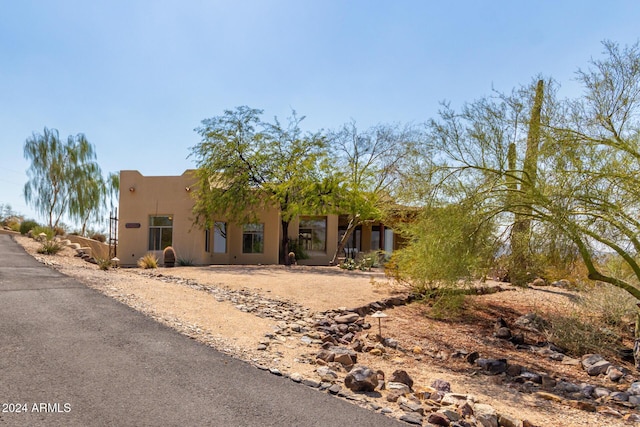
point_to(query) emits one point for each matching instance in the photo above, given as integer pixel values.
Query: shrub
(597, 323)
(36, 231)
(185, 262)
(103, 263)
(297, 249)
(50, 247)
(99, 237)
(27, 225)
(148, 261)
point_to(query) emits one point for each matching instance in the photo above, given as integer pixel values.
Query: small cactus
(169, 256)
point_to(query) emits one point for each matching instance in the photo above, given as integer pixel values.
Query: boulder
(401, 376)
(486, 415)
(361, 378)
(347, 318)
(493, 366)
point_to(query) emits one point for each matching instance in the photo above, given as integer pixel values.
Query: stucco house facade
(155, 212)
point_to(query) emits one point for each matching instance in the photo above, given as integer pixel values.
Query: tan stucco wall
(98, 249)
(145, 196)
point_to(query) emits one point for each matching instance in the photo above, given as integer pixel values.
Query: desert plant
(36, 231)
(50, 247)
(597, 322)
(185, 262)
(99, 237)
(148, 261)
(27, 225)
(297, 249)
(169, 256)
(103, 263)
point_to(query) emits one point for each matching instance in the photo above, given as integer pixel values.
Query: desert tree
(244, 164)
(369, 163)
(61, 176)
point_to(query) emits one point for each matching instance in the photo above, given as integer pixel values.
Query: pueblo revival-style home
(155, 212)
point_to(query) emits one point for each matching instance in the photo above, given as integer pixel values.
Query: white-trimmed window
(160, 232)
(253, 238)
(312, 233)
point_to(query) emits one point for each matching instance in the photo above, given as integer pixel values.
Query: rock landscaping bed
(315, 327)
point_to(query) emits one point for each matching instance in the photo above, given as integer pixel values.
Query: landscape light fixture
(379, 315)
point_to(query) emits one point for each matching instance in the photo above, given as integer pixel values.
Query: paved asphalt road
(70, 356)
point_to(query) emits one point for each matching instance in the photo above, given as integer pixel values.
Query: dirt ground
(221, 324)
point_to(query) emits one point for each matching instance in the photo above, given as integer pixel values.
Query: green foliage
(364, 262)
(103, 263)
(50, 247)
(368, 164)
(148, 261)
(245, 164)
(99, 237)
(185, 262)
(49, 232)
(28, 225)
(446, 302)
(297, 249)
(444, 245)
(597, 323)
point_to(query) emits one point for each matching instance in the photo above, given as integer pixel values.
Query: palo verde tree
(64, 178)
(245, 164)
(586, 186)
(370, 163)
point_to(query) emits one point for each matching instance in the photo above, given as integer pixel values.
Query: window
(352, 245)
(375, 238)
(388, 240)
(207, 240)
(160, 232)
(220, 237)
(253, 238)
(313, 233)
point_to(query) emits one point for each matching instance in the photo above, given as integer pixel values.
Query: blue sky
(136, 77)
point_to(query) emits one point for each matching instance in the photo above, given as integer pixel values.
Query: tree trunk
(284, 248)
(521, 229)
(353, 223)
(636, 343)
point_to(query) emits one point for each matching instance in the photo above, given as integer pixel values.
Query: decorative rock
(410, 406)
(326, 374)
(514, 370)
(598, 368)
(438, 419)
(634, 388)
(451, 415)
(311, 383)
(442, 386)
(456, 399)
(394, 395)
(601, 392)
(486, 415)
(325, 355)
(493, 366)
(503, 333)
(361, 378)
(347, 318)
(567, 387)
(634, 400)
(614, 374)
(398, 386)
(376, 352)
(417, 350)
(411, 418)
(508, 421)
(620, 396)
(295, 377)
(472, 357)
(539, 282)
(401, 376)
(335, 389)
(344, 359)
